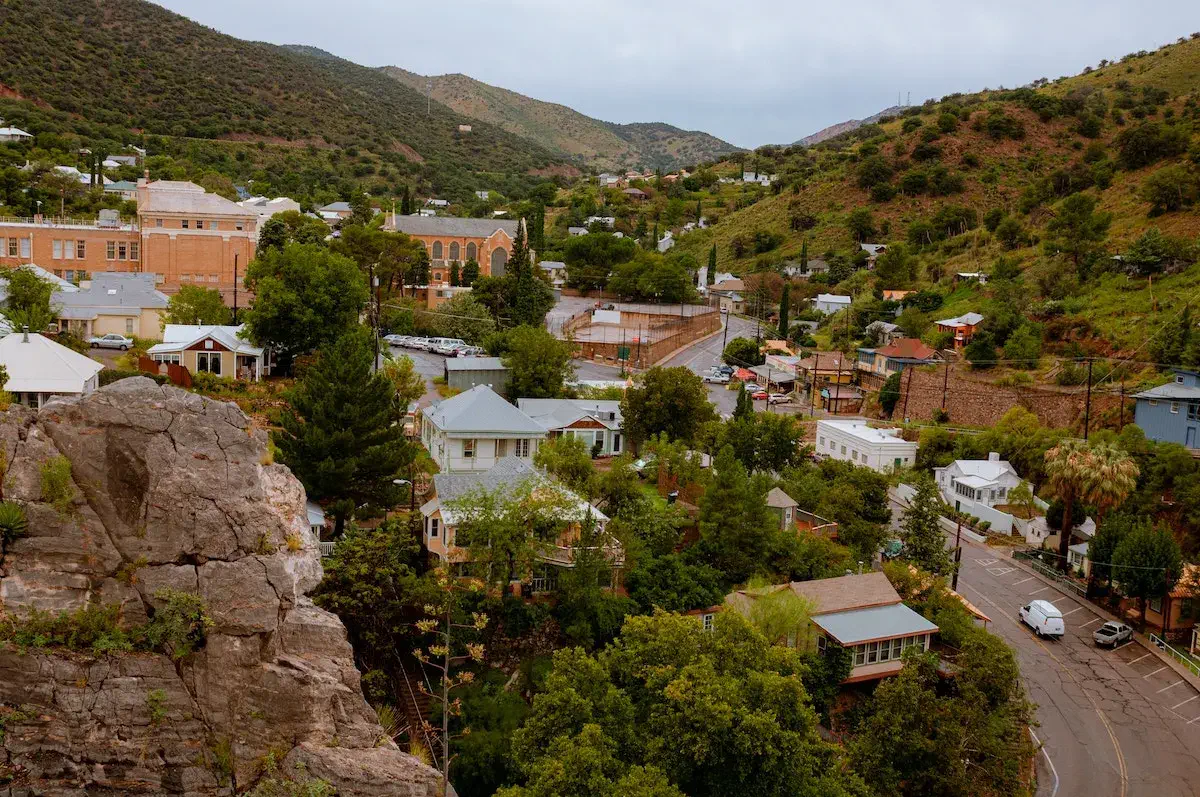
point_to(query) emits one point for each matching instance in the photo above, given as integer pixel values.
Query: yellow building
(215, 349)
(112, 303)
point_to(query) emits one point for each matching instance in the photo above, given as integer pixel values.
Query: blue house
(1170, 413)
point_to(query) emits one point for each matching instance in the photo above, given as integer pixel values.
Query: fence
(1180, 656)
(326, 548)
(1034, 561)
(645, 346)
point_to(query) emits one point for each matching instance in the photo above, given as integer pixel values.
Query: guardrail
(1054, 575)
(1181, 657)
(326, 548)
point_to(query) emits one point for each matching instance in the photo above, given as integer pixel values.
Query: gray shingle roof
(778, 499)
(560, 413)
(480, 411)
(508, 472)
(111, 292)
(453, 227)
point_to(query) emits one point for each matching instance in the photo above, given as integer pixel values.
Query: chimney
(993, 456)
(25, 333)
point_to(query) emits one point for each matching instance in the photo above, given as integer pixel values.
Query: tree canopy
(669, 401)
(193, 304)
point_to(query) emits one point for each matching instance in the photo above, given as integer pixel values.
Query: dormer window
(1179, 379)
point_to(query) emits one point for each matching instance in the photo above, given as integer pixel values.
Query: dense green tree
(407, 384)
(896, 268)
(671, 401)
(889, 394)
(1024, 346)
(1148, 563)
(339, 434)
(454, 274)
(463, 316)
(981, 352)
(670, 583)
(291, 226)
(650, 276)
(304, 297)
(861, 224)
(193, 304)
(1078, 230)
(873, 170)
(744, 408)
(924, 543)
(711, 275)
(743, 353)
(470, 272)
(28, 301)
(1102, 548)
(1170, 189)
(734, 521)
(567, 459)
(804, 255)
(539, 365)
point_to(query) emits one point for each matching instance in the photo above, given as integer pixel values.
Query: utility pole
(812, 394)
(1087, 407)
(957, 554)
(945, 383)
(235, 282)
(725, 336)
(837, 386)
(769, 388)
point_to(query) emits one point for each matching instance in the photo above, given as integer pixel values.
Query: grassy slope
(568, 132)
(135, 63)
(1120, 308)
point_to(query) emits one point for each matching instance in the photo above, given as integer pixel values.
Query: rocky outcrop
(174, 491)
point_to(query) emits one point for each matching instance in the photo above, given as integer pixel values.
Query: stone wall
(174, 491)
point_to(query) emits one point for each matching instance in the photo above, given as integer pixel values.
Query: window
(209, 361)
(56, 247)
(111, 250)
(843, 451)
(437, 250)
(80, 250)
(1155, 604)
(854, 455)
(454, 250)
(872, 652)
(238, 226)
(896, 462)
(167, 358)
(213, 278)
(437, 276)
(134, 250)
(821, 644)
(199, 224)
(1153, 402)
(706, 620)
(521, 448)
(25, 246)
(433, 527)
(860, 655)
(129, 326)
(69, 250)
(122, 250)
(472, 251)
(184, 224)
(1179, 379)
(158, 222)
(1192, 408)
(1175, 407)
(821, 442)
(468, 449)
(12, 247)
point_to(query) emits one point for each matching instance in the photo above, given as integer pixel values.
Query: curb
(1141, 638)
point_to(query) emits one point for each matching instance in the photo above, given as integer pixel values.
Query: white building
(14, 134)
(968, 484)
(829, 303)
(266, 208)
(590, 420)
(437, 203)
(853, 441)
(482, 195)
(666, 242)
(39, 369)
(476, 429)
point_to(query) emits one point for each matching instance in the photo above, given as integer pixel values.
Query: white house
(482, 195)
(575, 231)
(437, 203)
(592, 421)
(666, 242)
(39, 369)
(853, 441)
(607, 179)
(829, 303)
(14, 134)
(556, 270)
(476, 429)
(607, 221)
(975, 486)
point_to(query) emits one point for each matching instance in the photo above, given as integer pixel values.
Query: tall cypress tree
(712, 265)
(338, 435)
(406, 202)
(699, 212)
(783, 311)
(745, 405)
(804, 255)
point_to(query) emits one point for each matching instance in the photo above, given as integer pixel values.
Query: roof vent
(112, 291)
(993, 456)
(25, 333)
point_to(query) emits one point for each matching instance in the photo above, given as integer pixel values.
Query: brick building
(182, 234)
(450, 240)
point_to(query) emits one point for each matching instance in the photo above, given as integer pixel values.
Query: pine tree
(804, 256)
(406, 202)
(654, 241)
(784, 306)
(745, 405)
(699, 212)
(712, 265)
(924, 544)
(454, 281)
(518, 261)
(338, 436)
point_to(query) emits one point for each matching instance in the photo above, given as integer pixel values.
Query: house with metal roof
(829, 303)
(962, 327)
(14, 135)
(218, 350)
(456, 496)
(978, 486)
(39, 369)
(883, 450)
(112, 303)
(875, 365)
(597, 423)
(126, 189)
(1170, 413)
(464, 373)
(862, 613)
(475, 430)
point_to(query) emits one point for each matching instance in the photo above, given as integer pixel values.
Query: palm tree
(1114, 477)
(1069, 472)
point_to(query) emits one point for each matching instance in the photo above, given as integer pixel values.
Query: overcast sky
(752, 72)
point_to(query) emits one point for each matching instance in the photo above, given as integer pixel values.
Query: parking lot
(1113, 722)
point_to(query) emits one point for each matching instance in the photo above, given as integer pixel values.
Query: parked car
(723, 368)
(716, 378)
(759, 395)
(445, 346)
(470, 351)
(111, 341)
(724, 311)
(420, 344)
(1112, 634)
(1043, 617)
(394, 340)
(778, 398)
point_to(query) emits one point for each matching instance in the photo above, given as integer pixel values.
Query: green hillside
(133, 65)
(970, 179)
(566, 132)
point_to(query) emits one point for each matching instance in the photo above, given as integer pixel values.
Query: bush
(883, 192)
(939, 415)
(57, 488)
(13, 524)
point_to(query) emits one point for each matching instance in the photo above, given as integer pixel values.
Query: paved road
(1114, 722)
(427, 365)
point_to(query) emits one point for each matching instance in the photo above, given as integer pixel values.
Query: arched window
(454, 250)
(472, 251)
(499, 259)
(437, 250)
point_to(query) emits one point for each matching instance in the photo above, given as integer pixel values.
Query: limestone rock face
(172, 493)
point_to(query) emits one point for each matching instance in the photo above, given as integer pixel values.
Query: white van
(1043, 618)
(445, 346)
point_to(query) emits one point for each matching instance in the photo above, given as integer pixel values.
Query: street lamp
(412, 493)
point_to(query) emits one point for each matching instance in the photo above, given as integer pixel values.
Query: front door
(616, 438)
(1191, 437)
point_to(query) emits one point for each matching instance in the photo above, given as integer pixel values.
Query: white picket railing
(326, 548)
(1181, 657)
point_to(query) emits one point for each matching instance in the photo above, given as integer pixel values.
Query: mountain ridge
(565, 131)
(834, 130)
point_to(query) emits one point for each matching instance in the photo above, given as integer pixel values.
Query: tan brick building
(450, 240)
(183, 235)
